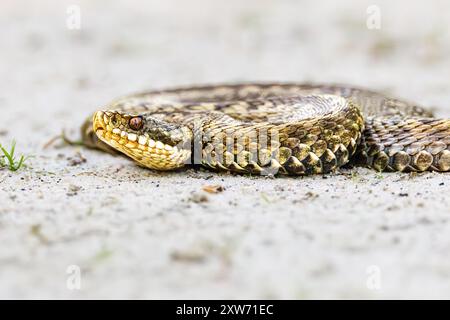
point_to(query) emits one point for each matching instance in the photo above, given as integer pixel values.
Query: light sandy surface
(136, 233)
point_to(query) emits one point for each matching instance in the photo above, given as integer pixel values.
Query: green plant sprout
(8, 158)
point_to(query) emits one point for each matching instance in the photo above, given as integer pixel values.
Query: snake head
(153, 143)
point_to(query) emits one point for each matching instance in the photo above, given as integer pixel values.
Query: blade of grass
(11, 161)
(13, 149)
(19, 164)
(7, 155)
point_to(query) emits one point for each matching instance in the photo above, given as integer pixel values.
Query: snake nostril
(114, 120)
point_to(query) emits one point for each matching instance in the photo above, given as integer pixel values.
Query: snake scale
(276, 128)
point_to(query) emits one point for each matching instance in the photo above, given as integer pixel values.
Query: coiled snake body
(271, 129)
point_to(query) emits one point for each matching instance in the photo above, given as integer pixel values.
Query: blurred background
(61, 56)
(125, 226)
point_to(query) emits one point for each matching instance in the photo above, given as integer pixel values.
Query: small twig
(65, 139)
(71, 142)
(51, 141)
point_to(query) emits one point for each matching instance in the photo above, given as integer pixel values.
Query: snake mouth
(112, 128)
(98, 123)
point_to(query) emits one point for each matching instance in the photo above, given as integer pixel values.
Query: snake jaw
(149, 150)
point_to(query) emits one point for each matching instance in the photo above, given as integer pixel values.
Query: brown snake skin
(271, 129)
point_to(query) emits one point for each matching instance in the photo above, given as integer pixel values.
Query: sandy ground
(126, 232)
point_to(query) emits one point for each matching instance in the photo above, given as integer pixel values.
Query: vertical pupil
(135, 123)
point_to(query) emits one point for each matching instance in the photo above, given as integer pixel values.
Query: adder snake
(271, 129)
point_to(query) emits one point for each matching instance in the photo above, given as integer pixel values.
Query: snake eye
(136, 123)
